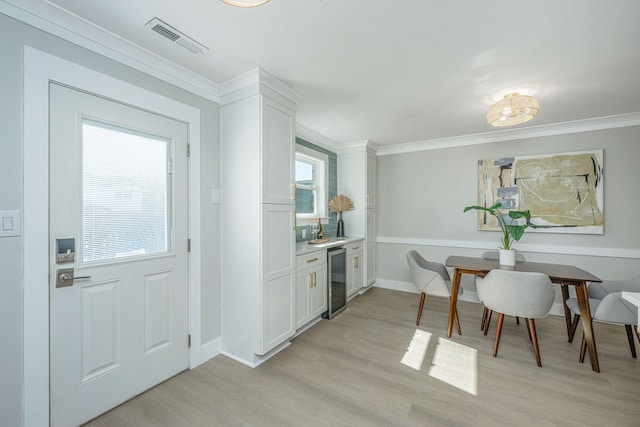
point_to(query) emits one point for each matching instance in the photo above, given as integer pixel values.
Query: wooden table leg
(587, 326)
(567, 312)
(455, 287)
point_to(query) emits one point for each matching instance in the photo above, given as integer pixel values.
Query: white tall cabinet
(356, 179)
(257, 119)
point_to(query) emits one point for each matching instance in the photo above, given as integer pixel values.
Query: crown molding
(315, 138)
(67, 26)
(586, 125)
(253, 82)
(357, 146)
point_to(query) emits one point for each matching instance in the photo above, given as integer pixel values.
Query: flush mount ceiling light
(245, 3)
(512, 110)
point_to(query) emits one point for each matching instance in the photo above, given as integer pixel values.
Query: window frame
(321, 184)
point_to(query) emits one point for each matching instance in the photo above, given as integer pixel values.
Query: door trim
(39, 69)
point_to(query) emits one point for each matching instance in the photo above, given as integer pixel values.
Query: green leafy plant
(511, 231)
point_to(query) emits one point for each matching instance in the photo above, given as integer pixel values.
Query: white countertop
(305, 248)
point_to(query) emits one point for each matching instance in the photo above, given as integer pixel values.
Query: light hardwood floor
(348, 372)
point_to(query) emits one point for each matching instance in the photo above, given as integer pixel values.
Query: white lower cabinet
(311, 286)
(355, 267)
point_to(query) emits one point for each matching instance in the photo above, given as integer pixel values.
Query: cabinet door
(371, 246)
(371, 227)
(350, 274)
(304, 285)
(371, 181)
(319, 291)
(277, 153)
(358, 270)
(278, 264)
(371, 264)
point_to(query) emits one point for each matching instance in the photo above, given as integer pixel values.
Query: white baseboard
(257, 360)
(210, 350)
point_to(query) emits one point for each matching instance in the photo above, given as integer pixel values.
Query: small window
(311, 185)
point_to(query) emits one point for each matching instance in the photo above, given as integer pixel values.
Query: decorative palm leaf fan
(340, 203)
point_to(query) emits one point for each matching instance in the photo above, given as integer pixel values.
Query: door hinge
(189, 340)
(188, 150)
(188, 245)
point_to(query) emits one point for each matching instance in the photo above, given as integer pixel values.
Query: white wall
(15, 35)
(422, 196)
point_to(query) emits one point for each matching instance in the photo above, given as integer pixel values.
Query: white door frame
(39, 69)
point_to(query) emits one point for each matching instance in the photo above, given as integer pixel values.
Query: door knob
(65, 277)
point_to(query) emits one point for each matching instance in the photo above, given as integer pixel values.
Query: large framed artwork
(563, 191)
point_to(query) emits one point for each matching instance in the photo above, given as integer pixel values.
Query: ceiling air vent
(176, 36)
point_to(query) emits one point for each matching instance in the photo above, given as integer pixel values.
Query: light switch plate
(10, 223)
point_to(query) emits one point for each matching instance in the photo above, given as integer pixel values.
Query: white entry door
(118, 207)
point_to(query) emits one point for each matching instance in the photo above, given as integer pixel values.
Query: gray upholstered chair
(606, 305)
(517, 293)
(430, 278)
(486, 313)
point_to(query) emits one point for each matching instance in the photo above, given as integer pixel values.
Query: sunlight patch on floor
(456, 365)
(414, 356)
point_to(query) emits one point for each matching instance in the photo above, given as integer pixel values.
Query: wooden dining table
(564, 275)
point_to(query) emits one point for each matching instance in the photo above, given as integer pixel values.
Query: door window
(125, 193)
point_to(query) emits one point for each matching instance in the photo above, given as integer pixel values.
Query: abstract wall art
(563, 191)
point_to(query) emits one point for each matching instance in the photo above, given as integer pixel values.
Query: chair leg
(457, 322)
(630, 338)
(486, 323)
(529, 331)
(637, 333)
(517, 320)
(485, 311)
(534, 339)
(583, 348)
(422, 297)
(498, 332)
(574, 326)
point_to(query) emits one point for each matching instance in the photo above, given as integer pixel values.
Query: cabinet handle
(310, 280)
(312, 259)
(367, 200)
(315, 283)
(294, 191)
(356, 248)
(356, 262)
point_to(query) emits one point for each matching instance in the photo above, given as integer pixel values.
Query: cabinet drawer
(311, 260)
(355, 247)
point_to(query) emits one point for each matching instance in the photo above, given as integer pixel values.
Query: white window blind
(126, 192)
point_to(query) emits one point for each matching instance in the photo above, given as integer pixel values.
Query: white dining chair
(486, 313)
(607, 305)
(430, 278)
(517, 293)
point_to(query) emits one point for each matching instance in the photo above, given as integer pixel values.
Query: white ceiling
(393, 71)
